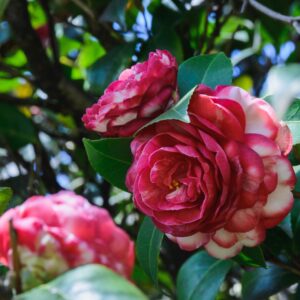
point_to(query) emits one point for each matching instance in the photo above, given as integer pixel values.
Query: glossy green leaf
(211, 70)
(262, 283)
(15, 128)
(176, 112)
(148, 247)
(201, 276)
(252, 257)
(293, 112)
(294, 126)
(94, 282)
(111, 158)
(283, 83)
(5, 195)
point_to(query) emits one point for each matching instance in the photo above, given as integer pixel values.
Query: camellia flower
(140, 94)
(219, 181)
(63, 231)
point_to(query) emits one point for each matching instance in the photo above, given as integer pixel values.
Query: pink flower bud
(140, 94)
(63, 231)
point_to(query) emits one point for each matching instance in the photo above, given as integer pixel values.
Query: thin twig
(273, 14)
(244, 6)
(15, 72)
(16, 258)
(85, 8)
(29, 102)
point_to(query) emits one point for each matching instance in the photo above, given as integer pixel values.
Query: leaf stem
(15, 257)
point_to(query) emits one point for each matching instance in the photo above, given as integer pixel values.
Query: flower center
(174, 185)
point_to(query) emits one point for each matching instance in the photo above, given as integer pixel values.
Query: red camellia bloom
(63, 231)
(139, 95)
(219, 181)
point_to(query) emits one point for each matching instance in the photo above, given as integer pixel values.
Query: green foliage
(283, 82)
(15, 128)
(3, 5)
(148, 245)
(87, 282)
(96, 41)
(253, 257)
(200, 277)
(5, 195)
(108, 68)
(111, 158)
(294, 126)
(211, 70)
(262, 283)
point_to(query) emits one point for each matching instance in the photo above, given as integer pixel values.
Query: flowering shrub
(219, 181)
(140, 94)
(63, 231)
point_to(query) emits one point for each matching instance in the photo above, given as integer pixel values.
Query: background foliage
(57, 57)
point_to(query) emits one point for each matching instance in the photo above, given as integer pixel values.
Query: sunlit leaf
(211, 70)
(5, 195)
(94, 282)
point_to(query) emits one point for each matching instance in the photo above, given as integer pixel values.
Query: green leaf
(201, 276)
(167, 39)
(252, 257)
(3, 270)
(262, 283)
(176, 112)
(211, 70)
(111, 158)
(294, 126)
(15, 128)
(277, 242)
(115, 12)
(293, 112)
(93, 282)
(283, 82)
(108, 67)
(5, 195)
(148, 247)
(16, 59)
(295, 223)
(3, 5)
(90, 52)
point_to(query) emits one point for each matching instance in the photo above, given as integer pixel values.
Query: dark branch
(29, 102)
(48, 77)
(51, 29)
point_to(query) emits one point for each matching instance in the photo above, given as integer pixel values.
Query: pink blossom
(140, 94)
(63, 231)
(220, 181)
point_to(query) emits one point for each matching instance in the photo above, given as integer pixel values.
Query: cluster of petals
(62, 231)
(140, 94)
(219, 181)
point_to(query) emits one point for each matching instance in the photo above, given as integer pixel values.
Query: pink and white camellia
(140, 94)
(63, 231)
(219, 181)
